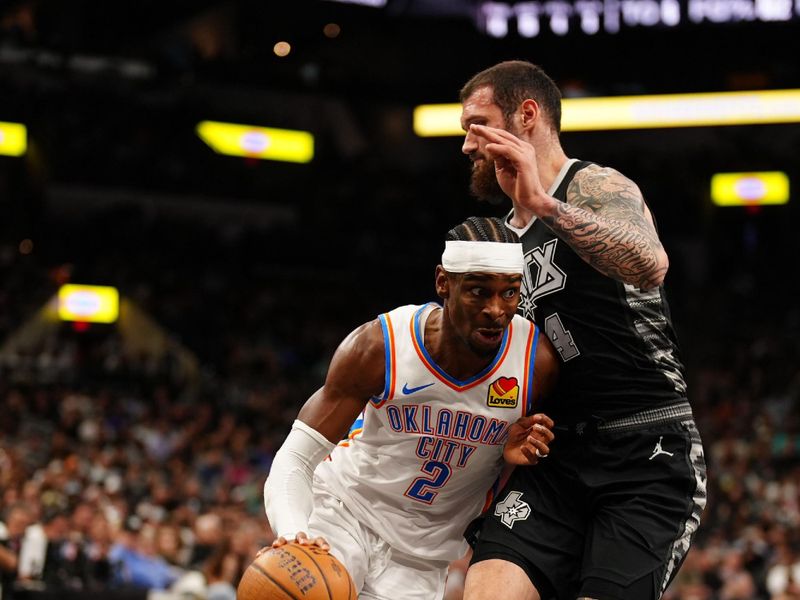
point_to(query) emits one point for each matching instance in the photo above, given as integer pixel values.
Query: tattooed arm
(607, 223)
(605, 219)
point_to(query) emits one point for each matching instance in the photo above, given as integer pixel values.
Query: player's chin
(486, 342)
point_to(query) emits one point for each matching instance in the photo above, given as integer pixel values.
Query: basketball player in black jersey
(610, 514)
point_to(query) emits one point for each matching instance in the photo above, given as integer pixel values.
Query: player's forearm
(617, 249)
(288, 496)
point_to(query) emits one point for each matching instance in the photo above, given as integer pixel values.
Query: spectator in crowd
(208, 536)
(12, 529)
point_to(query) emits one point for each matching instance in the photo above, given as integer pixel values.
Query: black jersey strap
(561, 190)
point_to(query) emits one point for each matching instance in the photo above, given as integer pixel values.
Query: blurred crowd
(107, 487)
(120, 472)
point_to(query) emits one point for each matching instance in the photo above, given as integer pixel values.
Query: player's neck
(448, 351)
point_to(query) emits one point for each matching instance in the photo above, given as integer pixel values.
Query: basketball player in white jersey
(438, 397)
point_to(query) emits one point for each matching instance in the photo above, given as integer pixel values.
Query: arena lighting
(88, 303)
(13, 139)
(642, 112)
(590, 17)
(373, 3)
(257, 142)
(750, 189)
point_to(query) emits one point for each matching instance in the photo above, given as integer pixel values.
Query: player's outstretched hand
(529, 439)
(302, 539)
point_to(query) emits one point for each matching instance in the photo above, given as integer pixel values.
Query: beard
(483, 183)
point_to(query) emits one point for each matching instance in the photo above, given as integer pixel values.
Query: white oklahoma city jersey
(421, 461)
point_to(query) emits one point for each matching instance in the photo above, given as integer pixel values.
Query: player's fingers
(280, 541)
(502, 151)
(543, 419)
(302, 538)
(543, 433)
(322, 543)
(494, 134)
(530, 454)
(527, 422)
(540, 447)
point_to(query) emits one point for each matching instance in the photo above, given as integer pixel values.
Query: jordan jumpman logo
(659, 450)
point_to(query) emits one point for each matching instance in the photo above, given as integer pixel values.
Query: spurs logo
(542, 277)
(512, 509)
(659, 450)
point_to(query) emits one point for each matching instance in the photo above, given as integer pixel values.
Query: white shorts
(379, 571)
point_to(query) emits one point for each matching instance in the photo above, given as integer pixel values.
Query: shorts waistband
(655, 416)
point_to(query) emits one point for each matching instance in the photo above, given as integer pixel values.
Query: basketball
(295, 572)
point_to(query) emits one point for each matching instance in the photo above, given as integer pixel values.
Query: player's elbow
(657, 273)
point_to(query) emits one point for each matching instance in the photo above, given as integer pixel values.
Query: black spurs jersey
(619, 354)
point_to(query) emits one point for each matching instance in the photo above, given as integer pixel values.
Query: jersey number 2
(422, 488)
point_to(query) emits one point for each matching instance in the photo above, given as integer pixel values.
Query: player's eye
(509, 294)
(477, 291)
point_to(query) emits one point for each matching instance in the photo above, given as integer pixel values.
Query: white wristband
(288, 498)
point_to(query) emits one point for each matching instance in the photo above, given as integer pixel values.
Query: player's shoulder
(362, 350)
(399, 318)
(600, 173)
(597, 185)
(375, 331)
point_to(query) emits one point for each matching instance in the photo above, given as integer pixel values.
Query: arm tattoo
(604, 221)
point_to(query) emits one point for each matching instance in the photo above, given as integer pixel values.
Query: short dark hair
(482, 229)
(514, 81)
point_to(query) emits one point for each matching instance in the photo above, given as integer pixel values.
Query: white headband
(482, 257)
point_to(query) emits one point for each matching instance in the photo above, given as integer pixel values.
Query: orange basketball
(295, 572)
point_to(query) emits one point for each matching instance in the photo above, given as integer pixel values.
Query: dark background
(111, 93)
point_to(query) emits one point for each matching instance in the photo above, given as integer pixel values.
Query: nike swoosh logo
(407, 390)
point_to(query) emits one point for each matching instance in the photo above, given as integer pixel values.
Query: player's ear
(442, 283)
(529, 112)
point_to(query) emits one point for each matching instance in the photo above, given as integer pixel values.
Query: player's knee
(484, 578)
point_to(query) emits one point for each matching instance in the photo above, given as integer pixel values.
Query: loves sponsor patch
(503, 393)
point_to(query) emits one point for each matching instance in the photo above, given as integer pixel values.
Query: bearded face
(483, 183)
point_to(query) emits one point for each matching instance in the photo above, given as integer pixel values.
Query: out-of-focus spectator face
(31, 492)
(100, 530)
(10, 496)
(146, 540)
(191, 488)
(18, 519)
(208, 530)
(247, 539)
(58, 527)
(168, 542)
(82, 517)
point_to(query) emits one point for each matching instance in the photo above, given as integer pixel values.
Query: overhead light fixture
(13, 139)
(266, 143)
(88, 303)
(642, 112)
(750, 189)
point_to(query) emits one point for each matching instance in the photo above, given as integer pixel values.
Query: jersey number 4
(561, 338)
(422, 489)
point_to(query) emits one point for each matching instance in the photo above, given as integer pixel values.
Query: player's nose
(470, 143)
(495, 309)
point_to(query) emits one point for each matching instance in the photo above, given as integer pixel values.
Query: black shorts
(608, 515)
